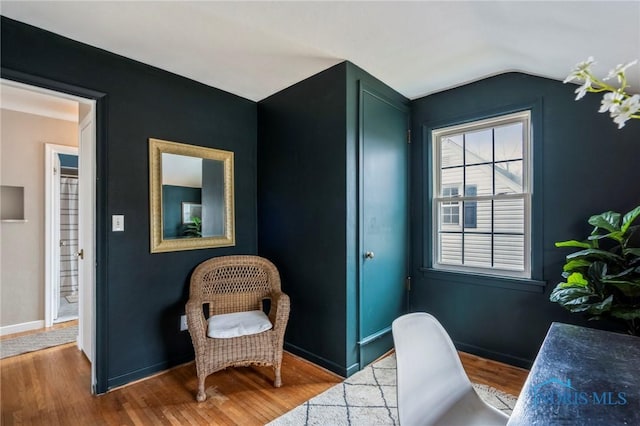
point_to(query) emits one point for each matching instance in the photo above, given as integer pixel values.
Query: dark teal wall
(584, 166)
(302, 204)
(142, 295)
(308, 208)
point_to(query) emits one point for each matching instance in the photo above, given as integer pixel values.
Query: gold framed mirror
(191, 197)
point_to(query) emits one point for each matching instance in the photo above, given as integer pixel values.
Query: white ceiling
(254, 49)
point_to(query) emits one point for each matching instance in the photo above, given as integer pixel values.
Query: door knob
(369, 255)
(81, 254)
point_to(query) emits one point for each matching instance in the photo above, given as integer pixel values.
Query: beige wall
(23, 138)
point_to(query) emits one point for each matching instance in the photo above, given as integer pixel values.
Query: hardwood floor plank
(504, 377)
(52, 387)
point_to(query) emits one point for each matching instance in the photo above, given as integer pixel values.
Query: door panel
(55, 267)
(384, 222)
(86, 232)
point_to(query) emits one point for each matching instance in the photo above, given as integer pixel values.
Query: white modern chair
(433, 388)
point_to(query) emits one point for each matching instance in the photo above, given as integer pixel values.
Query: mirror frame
(158, 244)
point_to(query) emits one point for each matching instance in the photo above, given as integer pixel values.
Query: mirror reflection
(191, 197)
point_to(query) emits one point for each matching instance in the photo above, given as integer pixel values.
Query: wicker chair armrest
(279, 312)
(196, 322)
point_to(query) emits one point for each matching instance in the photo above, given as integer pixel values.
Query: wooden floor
(52, 387)
(501, 376)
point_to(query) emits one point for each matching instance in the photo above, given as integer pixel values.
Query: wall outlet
(183, 323)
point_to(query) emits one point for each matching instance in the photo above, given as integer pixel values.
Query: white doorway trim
(52, 226)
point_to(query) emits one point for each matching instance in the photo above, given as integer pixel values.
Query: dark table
(582, 376)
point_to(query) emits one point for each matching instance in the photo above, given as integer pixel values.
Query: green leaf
(194, 229)
(575, 299)
(574, 264)
(616, 235)
(574, 243)
(621, 274)
(628, 218)
(599, 308)
(632, 250)
(597, 253)
(577, 279)
(608, 220)
(598, 269)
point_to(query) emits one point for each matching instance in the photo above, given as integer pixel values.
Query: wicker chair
(231, 284)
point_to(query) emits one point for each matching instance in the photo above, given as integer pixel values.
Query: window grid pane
(499, 245)
(483, 228)
(450, 248)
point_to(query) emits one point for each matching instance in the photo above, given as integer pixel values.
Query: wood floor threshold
(57, 326)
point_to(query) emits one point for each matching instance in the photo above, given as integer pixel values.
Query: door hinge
(408, 135)
(407, 283)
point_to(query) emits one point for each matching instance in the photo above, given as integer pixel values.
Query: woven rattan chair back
(234, 283)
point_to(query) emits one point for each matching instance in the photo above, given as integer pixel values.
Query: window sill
(511, 283)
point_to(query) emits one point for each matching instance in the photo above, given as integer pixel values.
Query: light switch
(117, 223)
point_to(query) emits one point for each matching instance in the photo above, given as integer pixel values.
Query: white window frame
(437, 135)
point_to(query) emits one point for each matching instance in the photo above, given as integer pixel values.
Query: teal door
(383, 221)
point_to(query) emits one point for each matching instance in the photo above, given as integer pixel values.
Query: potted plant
(602, 278)
(193, 228)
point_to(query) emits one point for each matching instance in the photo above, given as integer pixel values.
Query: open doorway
(61, 228)
(59, 204)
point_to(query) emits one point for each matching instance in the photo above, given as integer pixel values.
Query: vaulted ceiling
(254, 49)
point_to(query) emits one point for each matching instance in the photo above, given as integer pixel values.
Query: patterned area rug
(369, 398)
(37, 341)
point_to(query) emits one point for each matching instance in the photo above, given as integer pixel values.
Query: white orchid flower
(581, 71)
(610, 101)
(582, 90)
(625, 110)
(621, 106)
(619, 71)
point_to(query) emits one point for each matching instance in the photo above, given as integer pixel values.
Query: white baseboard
(19, 328)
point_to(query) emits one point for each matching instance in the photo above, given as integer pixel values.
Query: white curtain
(68, 236)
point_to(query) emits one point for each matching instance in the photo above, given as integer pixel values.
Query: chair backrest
(234, 283)
(430, 376)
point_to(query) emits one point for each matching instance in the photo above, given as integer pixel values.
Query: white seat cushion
(237, 324)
